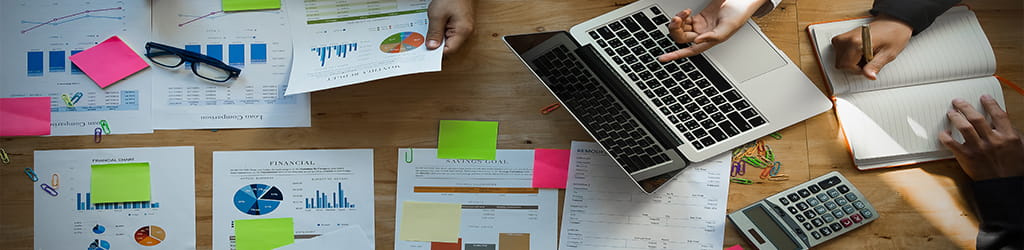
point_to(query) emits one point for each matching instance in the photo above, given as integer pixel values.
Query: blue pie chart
(98, 229)
(99, 245)
(258, 199)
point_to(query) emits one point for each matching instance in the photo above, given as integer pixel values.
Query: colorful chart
(98, 229)
(99, 245)
(258, 199)
(401, 42)
(150, 235)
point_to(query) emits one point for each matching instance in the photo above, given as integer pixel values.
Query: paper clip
(775, 169)
(781, 177)
(105, 126)
(741, 181)
(550, 108)
(408, 156)
(738, 169)
(77, 97)
(3, 156)
(67, 100)
(769, 153)
(31, 175)
(98, 137)
(754, 162)
(55, 181)
(765, 173)
(48, 189)
(776, 135)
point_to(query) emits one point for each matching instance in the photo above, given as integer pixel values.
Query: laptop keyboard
(694, 96)
(600, 112)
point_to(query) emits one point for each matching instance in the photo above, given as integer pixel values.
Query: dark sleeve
(919, 14)
(1000, 207)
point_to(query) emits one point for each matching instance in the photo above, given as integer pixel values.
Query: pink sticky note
(550, 168)
(24, 116)
(109, 61)
(736, 247)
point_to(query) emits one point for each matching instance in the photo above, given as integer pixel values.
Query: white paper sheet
(351, 237)
(496, 196)
(38, 37)
(287, 183)
(343, 42)
(604, 210)
(71, 221)
(257, 42)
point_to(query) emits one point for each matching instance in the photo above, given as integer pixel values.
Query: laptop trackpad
(745, 55)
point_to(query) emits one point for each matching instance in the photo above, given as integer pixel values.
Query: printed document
(71, 220)
(344, 42)
(322, 190)
(257, 42)
(500, 209)
(604, 210)
(39, 36)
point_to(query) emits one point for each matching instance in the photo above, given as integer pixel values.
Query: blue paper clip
(775, 169)
(77, 97)
(31, 175)
(3, 156)
(98, 137)
(105, 126)
(49, 189)
(738, 169)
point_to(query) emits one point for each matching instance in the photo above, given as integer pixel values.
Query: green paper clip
(757, 163)
(3, 156)
(769, 153)
(776, 135)
(741, 181)
(105, 127)
(408, 156)
(67, 100)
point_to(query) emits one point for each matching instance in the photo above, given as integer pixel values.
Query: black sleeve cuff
(919, 14)
(1000, 210)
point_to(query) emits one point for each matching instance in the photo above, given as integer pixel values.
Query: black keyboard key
(817, 222)
(622, 34)
(629, 58)
(652, 84)
(738, 120)
(660, 19)
(757, 121)
(827, 183)
(609, 51)
(836, 227)
(638, 68)
(679, 76)
(814, 189)
(630, 42)
(732, 95)
(718, 100)
(639, 51)
(793, 198)
(673, 119)
(602, 43)
(810, 214)
(687, 84)
(740, 105)
(688, 67)
(712, 110)
(622, 51)
(725, 108)
(669, 99)
(655, 10)
(710, 92)
(691, 125)
(699, 133)
(657, 102)
(594, 35)
(717, 134)
(700, 115)
(802, 206)
(707, 124)
(784, 201)
(615, 26)
(707, 141)
(630, 24)
(664, 43)
(676, 108)
(660, 74)
(641, 35)
(694, 92)
(692, 107)
(633, 76)
(661, 92)
(644, 21)
(618, 60)
(729, 128)
(689, 136)
(697, 145)
(606, 33)
(803, 193)
(649, 94)
(843, 189)
(671, 67)
(792, 210)
(696, 75)
(684, 116)
(807, 225)
(676, 90)
(649, 43)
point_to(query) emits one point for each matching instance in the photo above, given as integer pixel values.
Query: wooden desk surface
(920, 206)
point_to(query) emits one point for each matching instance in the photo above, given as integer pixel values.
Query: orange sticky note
(109, 61)
(550, 168)
(24, 116)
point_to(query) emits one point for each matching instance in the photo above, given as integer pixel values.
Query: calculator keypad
(824, 208)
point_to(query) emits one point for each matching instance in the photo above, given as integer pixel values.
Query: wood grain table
(921, 206)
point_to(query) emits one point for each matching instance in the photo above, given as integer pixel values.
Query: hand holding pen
(869, 48)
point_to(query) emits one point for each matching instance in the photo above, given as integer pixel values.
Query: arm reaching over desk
(451, 21)
(993, 156)
(713, 25)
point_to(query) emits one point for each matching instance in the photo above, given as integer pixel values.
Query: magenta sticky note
(24, 116)
(109, 62)
(550, 168)
(736, 247)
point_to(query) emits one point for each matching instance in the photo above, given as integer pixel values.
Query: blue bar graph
(236, 55)
(87, 204)
(57, 63)
(215, 51)
(258, 53)
(338, 51)
(74, 68)
(35, 63)
(193, 48)
(321, 200)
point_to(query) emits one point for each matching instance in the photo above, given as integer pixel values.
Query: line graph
(73, 17)
(197, 18)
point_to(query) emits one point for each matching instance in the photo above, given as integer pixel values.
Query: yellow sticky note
(121, 182)
(430, 221)
(238, 5)
(476, 140)
(264, 234)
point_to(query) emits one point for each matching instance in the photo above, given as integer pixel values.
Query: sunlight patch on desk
(934, 198)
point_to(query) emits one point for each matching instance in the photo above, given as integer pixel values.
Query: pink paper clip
(48, 189)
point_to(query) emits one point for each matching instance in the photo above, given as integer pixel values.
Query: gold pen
(865, 36)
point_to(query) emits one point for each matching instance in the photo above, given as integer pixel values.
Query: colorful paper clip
(776, 135)
(98, 137)
(550, 108)
(3, 156)
(741, 181)
(105, 126)
(49, 189)
(31, 175)
(775, 169)
(55, 181)
(77, 97)
(780, 177)
(738, 169)
(67, 100)
(408, 156)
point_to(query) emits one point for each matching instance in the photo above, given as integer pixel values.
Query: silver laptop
(654, 118)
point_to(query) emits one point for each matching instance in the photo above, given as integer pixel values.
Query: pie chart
(150, 235)
(98, 229)
(99, 245)
(258, 199)
(401, 42)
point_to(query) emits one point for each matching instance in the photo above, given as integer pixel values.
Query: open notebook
(896, 119)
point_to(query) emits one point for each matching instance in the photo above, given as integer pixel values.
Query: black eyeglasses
(204, 66)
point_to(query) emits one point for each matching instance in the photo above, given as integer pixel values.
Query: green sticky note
(430, 221)
(264, 234)
(238, 5)
(474, 140)
(121, 182)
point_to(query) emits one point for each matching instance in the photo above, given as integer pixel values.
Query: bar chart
(236, 52)
(335, 200)
(86, 204)
(337, 51)
(53, 61)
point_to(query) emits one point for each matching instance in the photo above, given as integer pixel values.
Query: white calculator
(806, 215)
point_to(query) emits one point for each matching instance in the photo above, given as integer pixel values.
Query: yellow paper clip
(49, 189)
(67, 100)
(105, 126)
(741, 181)
(31, 175)
(3, 156)
(769, 153)
(780, 177)
(550, 108)
(98, 136)
(55, 181)
(77, 97)
(776, 135)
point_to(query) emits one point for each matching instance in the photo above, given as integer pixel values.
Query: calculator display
(758, 214)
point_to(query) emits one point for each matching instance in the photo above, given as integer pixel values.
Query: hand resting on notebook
(713, 25)
(888, 38)
(451, 21)
(990, 150)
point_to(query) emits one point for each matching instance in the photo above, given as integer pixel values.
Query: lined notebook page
(953, 47)
(906, 120)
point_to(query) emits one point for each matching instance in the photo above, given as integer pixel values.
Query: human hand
(713, 25)
(888, 38)
(987, 152)
(451, 21)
